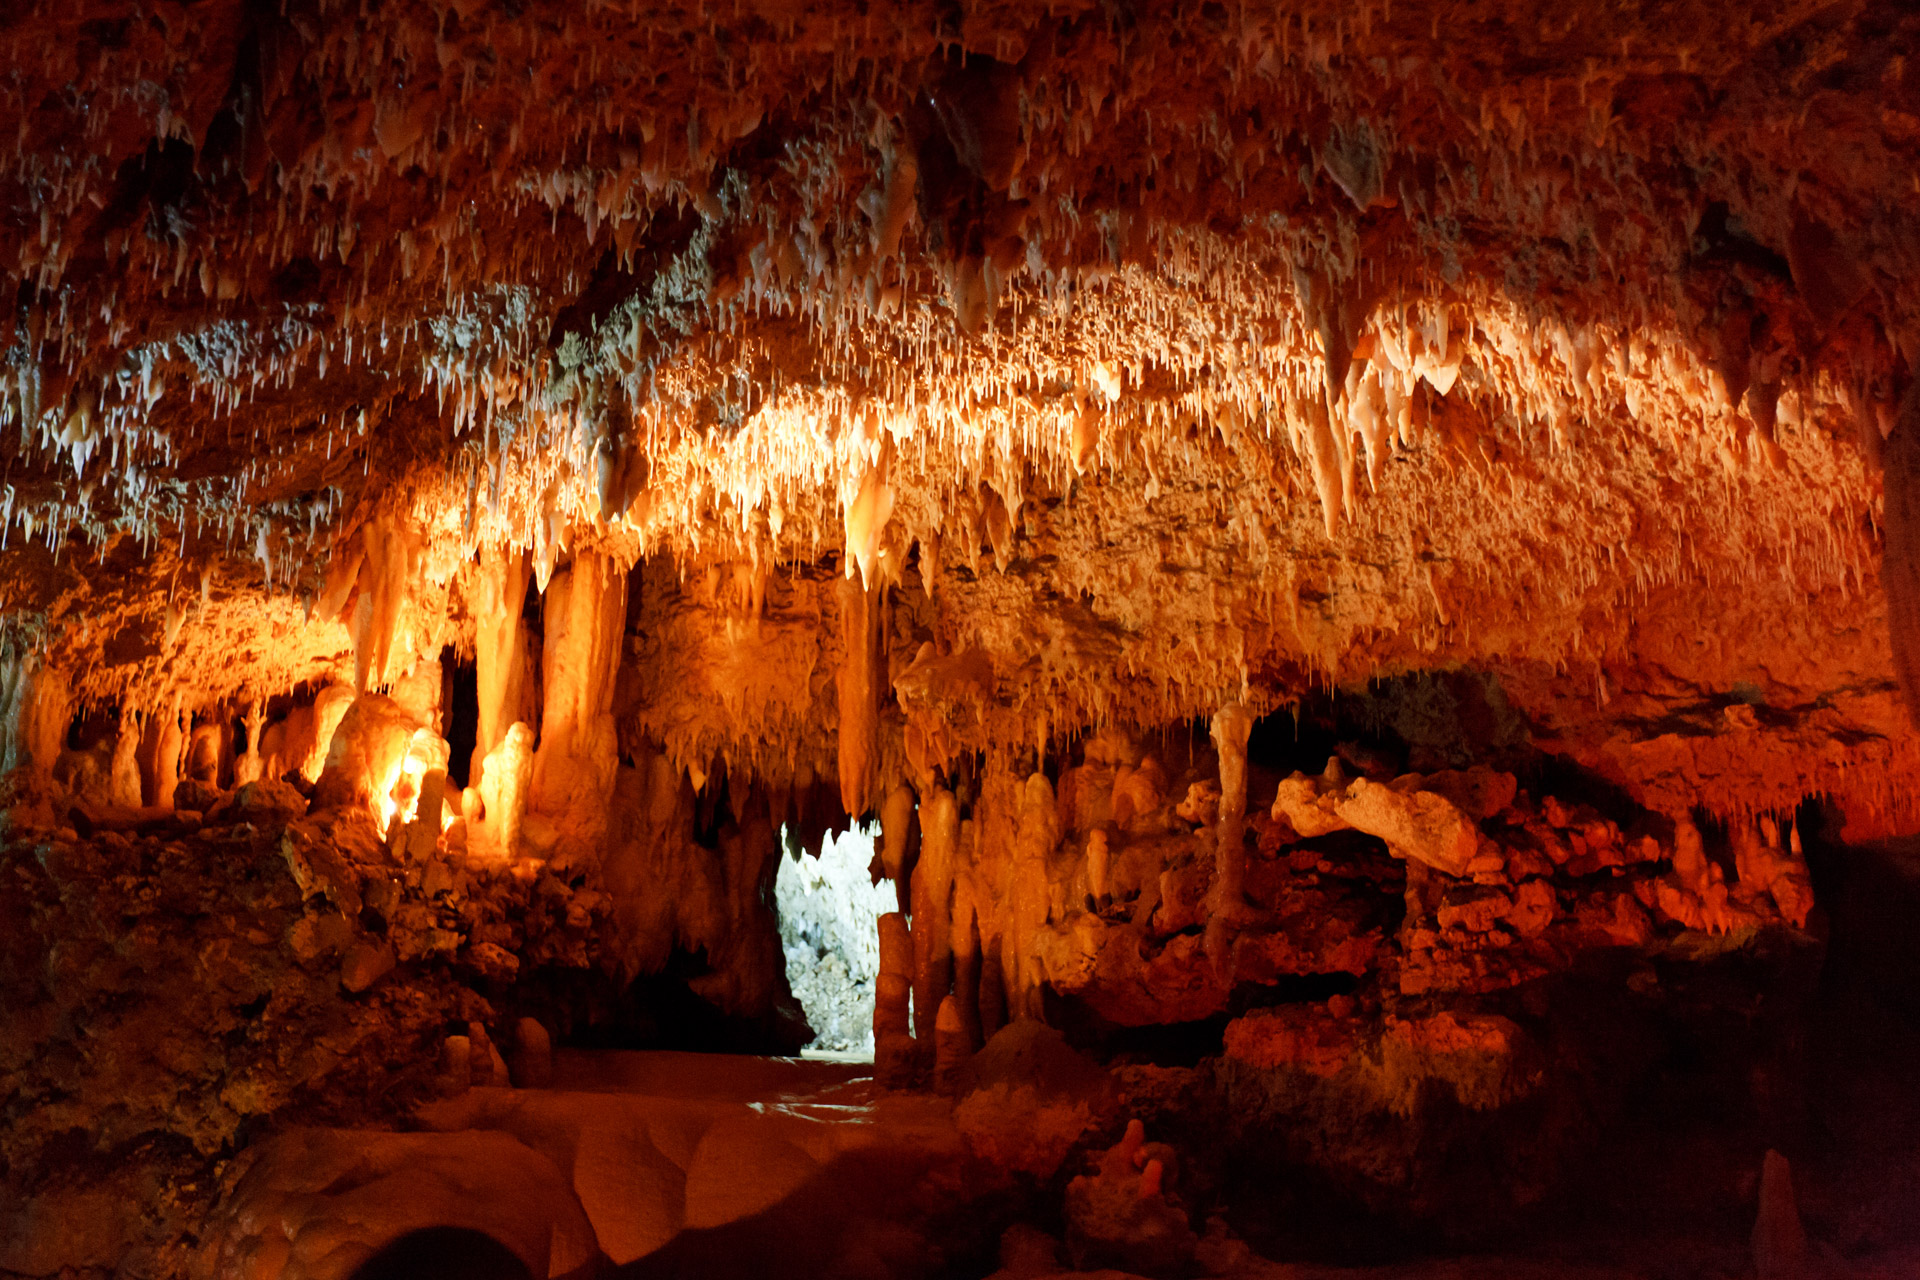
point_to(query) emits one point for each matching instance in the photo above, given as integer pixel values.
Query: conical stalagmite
(1779, 1240)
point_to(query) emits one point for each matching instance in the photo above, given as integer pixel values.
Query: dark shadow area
(443, 1253)
(460, 695)
(1420, 723)
(874, 1212)
(661, 1011)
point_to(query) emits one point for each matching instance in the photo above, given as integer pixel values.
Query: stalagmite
(1099, 867)
(33, 710)
(993, 994)
(125, 789)
(951, 1048)
(966, 964)
(423, 800)
(532, 1059)
(384, 580)
(205, 753)
(1779, 1240)
(247, 768)
(1901, 461)
(893, 1045)
(505, 782)
(573, 770)
(932, 902)
(365, 757)
(1028, 894)
(171, 749)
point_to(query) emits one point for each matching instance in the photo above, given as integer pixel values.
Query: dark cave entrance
(443, 1253)
(460, 696)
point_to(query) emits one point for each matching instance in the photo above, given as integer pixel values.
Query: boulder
(1422, 825)
(1308, 806)
(268, 802)
(365, 964)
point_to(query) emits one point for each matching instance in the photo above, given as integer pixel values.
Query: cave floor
(691, 1164)
(699, 1164)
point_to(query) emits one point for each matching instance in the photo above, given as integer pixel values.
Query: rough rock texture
(171, 988)
(480, 479)
(1042, 319)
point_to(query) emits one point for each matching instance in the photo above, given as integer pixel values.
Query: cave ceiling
(1133, 358)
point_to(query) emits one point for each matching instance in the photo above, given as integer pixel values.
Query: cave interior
(903, 640)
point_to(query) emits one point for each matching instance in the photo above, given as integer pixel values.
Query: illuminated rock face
(999, 425)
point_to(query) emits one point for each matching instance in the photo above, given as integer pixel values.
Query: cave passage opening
(460, 696)
(829, 909)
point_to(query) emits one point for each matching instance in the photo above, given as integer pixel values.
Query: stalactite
(382, 588)
(859, 689)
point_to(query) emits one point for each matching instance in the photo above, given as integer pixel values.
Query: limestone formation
(1363, 560)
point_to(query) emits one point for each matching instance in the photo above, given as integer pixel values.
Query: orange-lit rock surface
(1329, 540)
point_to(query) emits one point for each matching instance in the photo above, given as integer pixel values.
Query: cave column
(499, 649)
(35, 705)
(169, 749)
(893, 1046)
(1232, 725)
(578, 757)
(1036, 832)
(932, 894)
